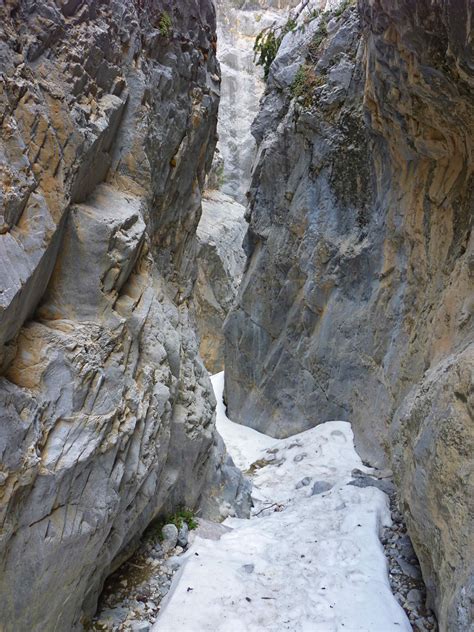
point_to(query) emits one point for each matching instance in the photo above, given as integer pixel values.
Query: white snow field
(309, 563)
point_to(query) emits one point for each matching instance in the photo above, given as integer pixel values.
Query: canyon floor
(324, 551)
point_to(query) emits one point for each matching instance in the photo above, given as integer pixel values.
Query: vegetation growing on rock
(268, 42)
(165, 24)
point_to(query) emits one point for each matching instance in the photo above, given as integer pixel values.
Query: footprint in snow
(338, 436)
(300, 457)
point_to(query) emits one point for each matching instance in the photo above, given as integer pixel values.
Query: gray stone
(140, 626)
(183, 535)
(319, 487)
(210, 530)
(221, 260)
(405, 547)
(384, 485)
(170, 537)
(113, 616)
(408, 569)
(414, 596)
(248, 568)
(304, 482)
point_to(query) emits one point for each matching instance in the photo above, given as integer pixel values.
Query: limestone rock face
(357, 300)
(433, 446)
(238, 24)
(221, 261)
(108, 117)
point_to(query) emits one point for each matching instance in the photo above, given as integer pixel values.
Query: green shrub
(165, 24)
(268, 42)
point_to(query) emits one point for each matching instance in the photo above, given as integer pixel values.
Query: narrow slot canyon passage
(308, 559)
(236, 316)
(325, 548)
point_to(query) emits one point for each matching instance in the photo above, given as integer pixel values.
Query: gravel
(404, 572)
(130, 601)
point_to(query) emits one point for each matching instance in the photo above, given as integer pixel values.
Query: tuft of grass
(304, 83)
(320, 35)
(181, 515)
(165, 24)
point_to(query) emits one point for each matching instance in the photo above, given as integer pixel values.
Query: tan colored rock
(107, 413)
(433, 438)
(358, 288)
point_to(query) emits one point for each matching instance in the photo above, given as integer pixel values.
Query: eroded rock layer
(108, 115)
(221, 261)
(358, 297)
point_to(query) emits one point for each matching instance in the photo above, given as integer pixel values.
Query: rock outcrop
(221, 261)
(221, 258)
(357, 301)
(238, 24)
(108, 120)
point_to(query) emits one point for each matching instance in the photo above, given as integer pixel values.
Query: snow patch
(309, 559)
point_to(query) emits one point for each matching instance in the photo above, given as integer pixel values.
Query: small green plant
(320, 35)
(183, 515)
(289, 26)
(165, 24)
(219, 176)
(268, 42)
(265, 49)
(304, 83)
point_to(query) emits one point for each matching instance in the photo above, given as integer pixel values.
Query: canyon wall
(108, 127)
(358, 298)
(220, 256)
(238, 24)
(221, 261)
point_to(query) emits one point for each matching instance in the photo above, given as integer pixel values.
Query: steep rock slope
(220, 256)
(357, 301)
(238, 24)
(108, 115)
(221, 261)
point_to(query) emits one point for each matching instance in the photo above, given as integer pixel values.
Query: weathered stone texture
(221, 261)
(357, 301)
(238, 24)
(108, 123)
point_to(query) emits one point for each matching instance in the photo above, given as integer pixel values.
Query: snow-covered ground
(311, 562)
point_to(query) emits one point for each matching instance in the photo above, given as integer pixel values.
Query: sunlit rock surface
(238, 24)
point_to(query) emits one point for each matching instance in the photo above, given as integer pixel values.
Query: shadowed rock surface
(357, 300)
(221, 262)
(108, 118)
